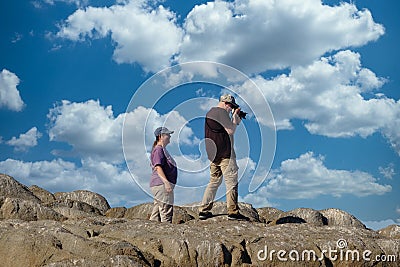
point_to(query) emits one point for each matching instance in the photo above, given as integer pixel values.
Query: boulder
(220, 212)
(9, 187)
(392, 231)
(117, 212)
(16, 208)
(336, 217)
(269, 214)
(49, 243)
(301, 215)
(73, 208)
(91, 198)
(143, 211)
(42, 194)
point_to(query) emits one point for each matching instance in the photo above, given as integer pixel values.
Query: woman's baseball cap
(162, 130)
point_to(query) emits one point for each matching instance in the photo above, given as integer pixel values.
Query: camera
(242, 114)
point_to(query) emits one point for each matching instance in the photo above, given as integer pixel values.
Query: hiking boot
(205, 215)
(238, 217)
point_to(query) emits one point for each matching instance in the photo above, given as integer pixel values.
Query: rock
(9, 187)
(118, 212)
(42, 194)
(15, 208)
(392, 231)
(269, 214)
(220, 212)
(301, 215)
(74, 209)
(336, 217)
(46, 238)
(143, 211)
(49, 243)
(93, 199)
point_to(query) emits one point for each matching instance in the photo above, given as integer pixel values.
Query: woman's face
(165, 139)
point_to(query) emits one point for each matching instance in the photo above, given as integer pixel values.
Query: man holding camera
(219, 131)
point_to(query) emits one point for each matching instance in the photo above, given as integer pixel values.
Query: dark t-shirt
(161, 157)
(219, 144)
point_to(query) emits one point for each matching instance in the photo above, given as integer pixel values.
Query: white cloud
(142, 34)
(9, 94)
(306, 177)
(255, 36)
(92, 130)
(250, 35)
(25, 140)
(113, 182)
(328, 96)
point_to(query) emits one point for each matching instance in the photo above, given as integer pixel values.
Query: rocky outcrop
(72, 232)
(336, 217)
(42, 194)
(16, 208)
(9, 187)
(93, 199)
(73, 208)
(392, 231)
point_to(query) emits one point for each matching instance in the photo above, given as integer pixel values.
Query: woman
(163, 178)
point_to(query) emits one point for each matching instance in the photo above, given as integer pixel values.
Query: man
(219, 131)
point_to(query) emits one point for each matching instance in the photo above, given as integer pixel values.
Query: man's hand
(235, 117)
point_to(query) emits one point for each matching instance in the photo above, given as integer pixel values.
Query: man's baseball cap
(162, 130)
(229, 99)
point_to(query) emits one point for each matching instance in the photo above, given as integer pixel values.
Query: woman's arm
(161, 173)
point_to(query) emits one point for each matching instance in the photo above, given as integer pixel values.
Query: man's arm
(230, 125)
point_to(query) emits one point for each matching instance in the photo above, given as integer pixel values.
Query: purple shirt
(161, 157)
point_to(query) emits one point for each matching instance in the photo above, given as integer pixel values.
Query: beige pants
(229, 170)
(163, 204)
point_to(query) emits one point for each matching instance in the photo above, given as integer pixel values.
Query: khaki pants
(229, 170)
(163, 204)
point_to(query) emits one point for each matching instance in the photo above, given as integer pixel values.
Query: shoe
(205, 215)
(238, 217)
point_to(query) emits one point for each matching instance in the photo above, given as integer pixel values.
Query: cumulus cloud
(9, 94)
(332, 96)
(25, 140)
(94, 132)
(142, 34)
(255, 36)
(91, 130)
(112, 181)
(306, 178)
(250, 35)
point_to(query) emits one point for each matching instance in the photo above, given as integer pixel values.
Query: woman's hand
(168, 187)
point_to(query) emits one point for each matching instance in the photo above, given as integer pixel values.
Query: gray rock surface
(143, 211)
(16, 208)
(91, 198)
(392, 231)
(9, 187)
(336, 217)
(73, 208)
(33, 233)
(42, 194)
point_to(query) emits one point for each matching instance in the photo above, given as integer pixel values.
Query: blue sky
(75, 75)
